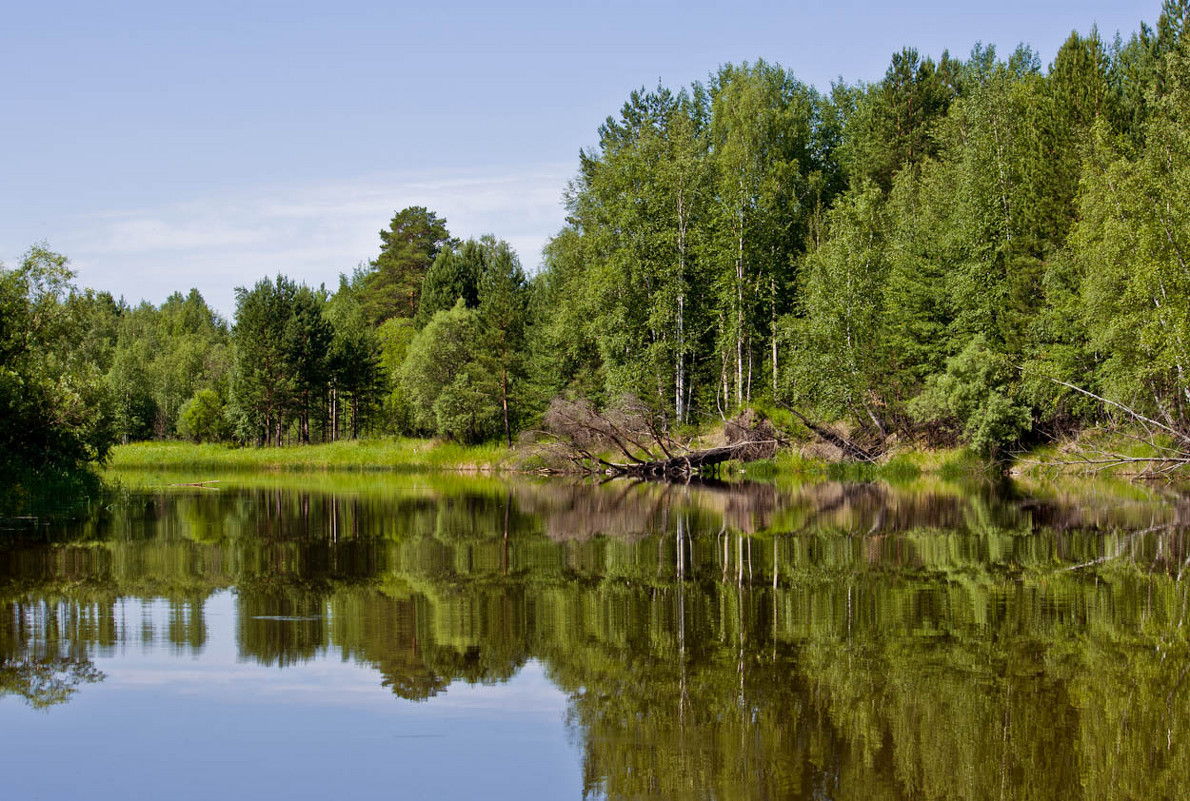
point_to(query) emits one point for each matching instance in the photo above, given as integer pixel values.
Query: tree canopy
(391, 285)
(54, 411)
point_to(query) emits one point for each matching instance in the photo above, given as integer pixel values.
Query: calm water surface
(431, 637)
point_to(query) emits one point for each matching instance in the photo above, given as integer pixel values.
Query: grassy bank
(387, 483)
(405, 454)
(902, 467)
(1107, 453)
(368, 454)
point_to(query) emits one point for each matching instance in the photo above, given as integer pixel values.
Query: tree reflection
(44, 683)
(834, 641)
(42, 655)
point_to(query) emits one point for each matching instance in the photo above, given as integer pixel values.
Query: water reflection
(832, 641)
(44, 649)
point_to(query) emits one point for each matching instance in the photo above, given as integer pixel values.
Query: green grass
(760, 470)
(367, 454)
(790, 466)
(900, 469)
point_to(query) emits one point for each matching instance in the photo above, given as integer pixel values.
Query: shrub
(201, 418)
(977, 395)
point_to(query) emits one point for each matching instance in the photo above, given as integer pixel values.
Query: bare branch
(1127, 410)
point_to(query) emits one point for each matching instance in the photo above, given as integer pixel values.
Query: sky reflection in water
(440, 638)
(209, 724)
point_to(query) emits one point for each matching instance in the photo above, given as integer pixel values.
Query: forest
(947, 255)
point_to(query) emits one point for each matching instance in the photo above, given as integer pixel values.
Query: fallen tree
(1164, 460)
(851, 450)
(631, 429)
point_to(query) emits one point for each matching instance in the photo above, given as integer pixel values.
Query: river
(432, 636)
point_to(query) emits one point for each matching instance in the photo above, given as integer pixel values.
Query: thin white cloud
(140, 234)
(310, 233)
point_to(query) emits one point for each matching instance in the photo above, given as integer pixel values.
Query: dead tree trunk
(648, 452)
(850, 449)
(688, 464)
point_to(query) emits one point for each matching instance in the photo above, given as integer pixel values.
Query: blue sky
(162, 147)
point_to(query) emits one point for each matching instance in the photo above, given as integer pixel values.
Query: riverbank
(802, 456)
(386, 454)
(407, 454)
(1126, 454)
(1092, 454)
(903, 465)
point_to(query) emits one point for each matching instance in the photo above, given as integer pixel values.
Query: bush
(201, 418)
(976, 394)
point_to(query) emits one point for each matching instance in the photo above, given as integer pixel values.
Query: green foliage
(468, 371)
(306, 366)
(354, 363)
(839, 361)
(393, 337)
(450, 390)
(617, 288)
(391, 286)
(563, 350)
(892, 123)
(917, 308)
(503, 313)
(463, 410)
(131, 385)
(680, 254)
(977, 395)
(1131, 247)
(55, 411)
(202, 419)
(264, 384)
(307, 351)
(771, 174)
(453, 276)
(709, 249)
(161, 358)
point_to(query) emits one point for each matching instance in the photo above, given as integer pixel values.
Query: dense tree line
(920, 255)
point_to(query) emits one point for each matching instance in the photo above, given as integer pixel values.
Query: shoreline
(404, 454)
(364, 455)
